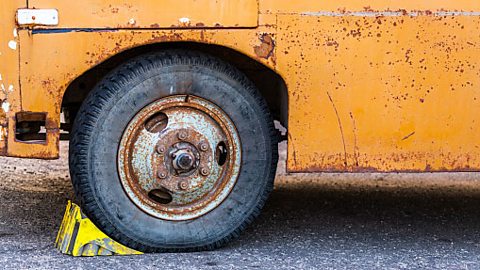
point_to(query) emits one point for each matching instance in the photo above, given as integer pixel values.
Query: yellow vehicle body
(376, 85)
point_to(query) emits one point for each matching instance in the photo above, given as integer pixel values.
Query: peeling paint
(12, 44)
(266, 50)
(384, 71)
(6, 106)
(184, 20)
(404, 88)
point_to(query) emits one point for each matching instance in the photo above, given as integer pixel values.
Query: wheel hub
(185, 158)
(170, 161)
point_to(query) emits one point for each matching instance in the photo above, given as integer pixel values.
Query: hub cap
(179, 158)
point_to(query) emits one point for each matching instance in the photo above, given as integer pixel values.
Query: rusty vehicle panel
(391, 93)
(174, 109)
(145, 13)
(377, 86)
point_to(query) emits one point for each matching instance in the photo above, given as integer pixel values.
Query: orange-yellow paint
(377, 86)
(153, 13)
(389, 94)
(296, 7)
(9, 69)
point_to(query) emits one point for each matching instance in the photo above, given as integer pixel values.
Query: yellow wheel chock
(78, 236)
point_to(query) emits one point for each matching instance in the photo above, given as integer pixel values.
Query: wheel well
(269, 83)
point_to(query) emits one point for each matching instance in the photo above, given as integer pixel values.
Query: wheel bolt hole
(161, 196)
(156, 122)
(221, 153)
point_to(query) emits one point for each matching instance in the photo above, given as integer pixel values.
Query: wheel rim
(179, 158)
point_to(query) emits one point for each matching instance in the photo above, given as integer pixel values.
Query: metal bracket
(33, 17)
(79, 237)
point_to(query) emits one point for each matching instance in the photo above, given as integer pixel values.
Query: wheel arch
(270, 84)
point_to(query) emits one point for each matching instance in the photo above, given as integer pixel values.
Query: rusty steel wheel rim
(179, 158)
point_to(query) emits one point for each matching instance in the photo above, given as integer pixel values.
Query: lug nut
(183, 185)
(204, 171)
(204, 147)
(160, 149)
(182, 135)
(162, 175)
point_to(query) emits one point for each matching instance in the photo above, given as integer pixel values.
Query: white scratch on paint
(10, 88)
(2, 86)
(1, 77)
(15, 33)
(12, 44)
(171, 90)
(6, 106)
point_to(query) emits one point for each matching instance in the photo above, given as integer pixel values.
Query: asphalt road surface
(321, 221)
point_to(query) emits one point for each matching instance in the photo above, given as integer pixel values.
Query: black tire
(110, 106)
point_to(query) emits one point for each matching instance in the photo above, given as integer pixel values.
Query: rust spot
(267, 48)
(180, 158)
(408, 56)
(155, 25)
(367, 169)
(199, 24)
(356, 33)
(333, 43)
(368, 9)
(163, 38)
